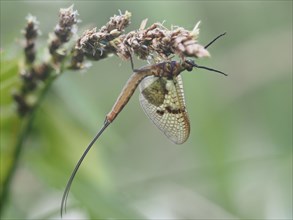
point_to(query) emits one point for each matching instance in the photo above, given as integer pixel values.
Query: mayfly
(162, 99)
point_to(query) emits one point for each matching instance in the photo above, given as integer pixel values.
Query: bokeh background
(237, 163)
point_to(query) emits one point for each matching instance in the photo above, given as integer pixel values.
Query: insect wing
(162, 100)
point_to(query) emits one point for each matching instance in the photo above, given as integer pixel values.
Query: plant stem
(19, 145)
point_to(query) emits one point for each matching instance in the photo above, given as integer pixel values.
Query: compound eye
(189, 68)
(189, 64)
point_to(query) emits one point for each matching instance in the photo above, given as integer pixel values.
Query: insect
(162, 99)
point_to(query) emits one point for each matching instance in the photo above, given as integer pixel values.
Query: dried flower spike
(67, 20)
(77, 59)
(22, 106)
(41, 71)
(29, 81)
(117, 24)
(63, 30)
(157, 42)
(30, 32)
(97, 44)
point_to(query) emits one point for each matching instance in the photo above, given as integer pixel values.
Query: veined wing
(162, 100)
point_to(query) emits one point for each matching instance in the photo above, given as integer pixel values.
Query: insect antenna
(69, 183)
(193, 64)
(214, 40)
(210, 69)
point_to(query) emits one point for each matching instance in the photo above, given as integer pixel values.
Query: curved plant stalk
(25, 130)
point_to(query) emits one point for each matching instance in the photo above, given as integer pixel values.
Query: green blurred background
(237, 163)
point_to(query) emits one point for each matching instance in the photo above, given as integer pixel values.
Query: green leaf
(10, 123)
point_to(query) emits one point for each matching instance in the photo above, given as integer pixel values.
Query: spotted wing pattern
(162, 100)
